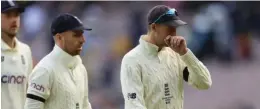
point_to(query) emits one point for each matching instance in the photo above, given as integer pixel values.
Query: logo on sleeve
(131, 95)
(37, 87)
(2, 58)
(77, 105)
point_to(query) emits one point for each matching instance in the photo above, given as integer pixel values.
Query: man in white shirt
(59, 80)
(152, 73)
(16, 58)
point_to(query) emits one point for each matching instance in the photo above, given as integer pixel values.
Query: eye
(78, 33)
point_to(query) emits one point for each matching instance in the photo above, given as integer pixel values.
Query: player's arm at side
(86, 103)
(30, 62)
(195, 72)
(131, 83)
(39, 88)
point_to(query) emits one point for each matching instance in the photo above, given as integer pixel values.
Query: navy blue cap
(8, 5)
(66, 22)
(162, 14)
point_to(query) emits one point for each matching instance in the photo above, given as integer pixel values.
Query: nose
(14, 20)
(83, 39)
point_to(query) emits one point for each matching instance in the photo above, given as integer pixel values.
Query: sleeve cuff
(35, 97)
(189, 58)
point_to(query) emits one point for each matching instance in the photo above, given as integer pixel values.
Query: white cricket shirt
(154, 80)
(16, 65)
(58, 81)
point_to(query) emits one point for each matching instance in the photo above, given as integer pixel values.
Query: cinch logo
(12, 79)
(37, 87)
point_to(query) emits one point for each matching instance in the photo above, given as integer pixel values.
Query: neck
(150, 38)
(63, 48)
(10, 41)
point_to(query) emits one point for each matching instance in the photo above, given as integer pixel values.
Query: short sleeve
(39, 85)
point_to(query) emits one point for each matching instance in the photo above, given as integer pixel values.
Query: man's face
(73, 41)
(10, 22)
(162, 31)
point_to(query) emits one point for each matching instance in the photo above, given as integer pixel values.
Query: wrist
(183, 52)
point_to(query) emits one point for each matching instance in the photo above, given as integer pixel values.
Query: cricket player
(59, 80)
(152, 73)
(16, 58)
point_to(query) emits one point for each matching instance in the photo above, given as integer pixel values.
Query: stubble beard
(9, 34)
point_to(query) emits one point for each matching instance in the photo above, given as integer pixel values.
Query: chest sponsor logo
(37, 87)
(167, 95)
(13, 79)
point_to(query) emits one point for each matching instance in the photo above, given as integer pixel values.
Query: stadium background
(224, 35)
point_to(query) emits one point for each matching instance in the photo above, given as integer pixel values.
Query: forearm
(199, 75)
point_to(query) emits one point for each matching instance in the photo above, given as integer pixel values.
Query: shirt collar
(149, 47)
(6, 47)
(65, 58)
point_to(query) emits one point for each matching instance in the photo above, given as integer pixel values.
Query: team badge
(22, 58)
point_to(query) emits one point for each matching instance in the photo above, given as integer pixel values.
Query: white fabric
(34, 104)
(60, 79)
(16, 64)
(154, 80)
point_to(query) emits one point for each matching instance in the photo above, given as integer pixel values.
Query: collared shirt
(153, 79)
(16, 65)
(59, 81)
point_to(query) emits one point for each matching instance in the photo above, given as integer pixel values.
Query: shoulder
(133, 56)
(46, 63)
(82, 68)
(24, 47)
(40, 72)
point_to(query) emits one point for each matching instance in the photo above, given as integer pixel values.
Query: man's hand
(177, 44)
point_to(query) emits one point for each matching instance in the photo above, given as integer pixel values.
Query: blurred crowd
(221, 30)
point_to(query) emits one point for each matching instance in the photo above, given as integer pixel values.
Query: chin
(12, 34)
(77, 52)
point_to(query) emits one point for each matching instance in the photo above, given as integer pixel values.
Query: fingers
(167, 40)
(173, 41)
(179, 41)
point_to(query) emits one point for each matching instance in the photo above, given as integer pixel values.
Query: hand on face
(177, 44)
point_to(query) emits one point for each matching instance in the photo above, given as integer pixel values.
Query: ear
(58, 37)
(153, 26)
